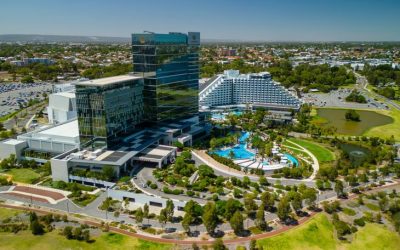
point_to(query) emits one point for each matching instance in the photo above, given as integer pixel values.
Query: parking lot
(12, 95)
(336, 98)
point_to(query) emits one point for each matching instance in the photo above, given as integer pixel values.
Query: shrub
(359, 222)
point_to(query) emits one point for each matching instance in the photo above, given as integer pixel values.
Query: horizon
(258, 21)
(225, 40)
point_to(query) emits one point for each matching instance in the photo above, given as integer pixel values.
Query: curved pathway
(315, 164)
(227, 171)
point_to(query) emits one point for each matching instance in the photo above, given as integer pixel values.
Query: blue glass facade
(169, 64)
(108, 112)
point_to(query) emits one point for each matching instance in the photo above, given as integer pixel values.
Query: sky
(245, 20)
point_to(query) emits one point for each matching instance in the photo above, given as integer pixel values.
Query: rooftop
(107, 80)
(68, 129)
(65, 94)
(13, 142)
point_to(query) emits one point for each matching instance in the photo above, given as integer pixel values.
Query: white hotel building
(233, 89)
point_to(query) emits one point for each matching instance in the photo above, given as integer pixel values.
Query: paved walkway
(227, 171)
(94, 221)
(315, 164)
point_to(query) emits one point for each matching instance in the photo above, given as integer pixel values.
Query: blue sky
(270, 20)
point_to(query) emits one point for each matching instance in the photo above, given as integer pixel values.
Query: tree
(195, 247)
(231, 206)
(283, 208)
(27, 79)
(253, 245)
(36, 227)
(108, 172)
(170, 210)
(297, 201)
(210, 217)
(263, 181)
(219, 245)
(146, 211)
(86, 235)
(67, 232)
(250, 204)
(231, 154)
(339, 188)
(139, 215)
(310, 196)
(163, 217)
(268, 200)
(186, 221)
(236, 222)
(77, 233)
(352, 115)
(260, 219)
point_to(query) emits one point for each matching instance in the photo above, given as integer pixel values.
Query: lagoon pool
(221, 116)
(292, 159)
(240, 151)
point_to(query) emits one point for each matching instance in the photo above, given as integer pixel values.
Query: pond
(369, 119)
(357, 154)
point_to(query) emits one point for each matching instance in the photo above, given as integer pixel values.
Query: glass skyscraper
(108, 109)
(169, 64)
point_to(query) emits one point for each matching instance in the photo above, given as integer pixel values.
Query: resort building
(235, 90)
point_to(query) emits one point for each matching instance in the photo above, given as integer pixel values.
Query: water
(221, 116)
(292, 159)
(357, 154)
(369, 119)
(240, 151)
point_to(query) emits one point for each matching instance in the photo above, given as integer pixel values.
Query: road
(92, 211)
(362, 80)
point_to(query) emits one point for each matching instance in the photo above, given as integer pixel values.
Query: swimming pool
(292, 159)
(240, 151)
(221, 116)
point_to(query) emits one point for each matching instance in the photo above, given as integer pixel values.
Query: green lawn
(386, 131)
(374, 236)
(25, 240)
(319, 233)
(7, 213)
(315, 234)
(25, 175)
(372, 207)
(322, 154)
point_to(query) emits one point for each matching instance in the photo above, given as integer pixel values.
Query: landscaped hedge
(225, 161)
(170, 191)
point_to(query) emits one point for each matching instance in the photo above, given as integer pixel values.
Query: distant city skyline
(251, 20)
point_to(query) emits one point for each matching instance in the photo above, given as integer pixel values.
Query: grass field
(24, 175)
(7, 213)
(315, 234)
(386, 131)
(318, 233)
(25, 240)
(374, 236)
(322, 154)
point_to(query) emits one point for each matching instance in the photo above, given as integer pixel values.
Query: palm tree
(231, 154)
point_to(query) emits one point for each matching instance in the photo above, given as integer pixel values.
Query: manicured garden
(322, 154)
(24, 175)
